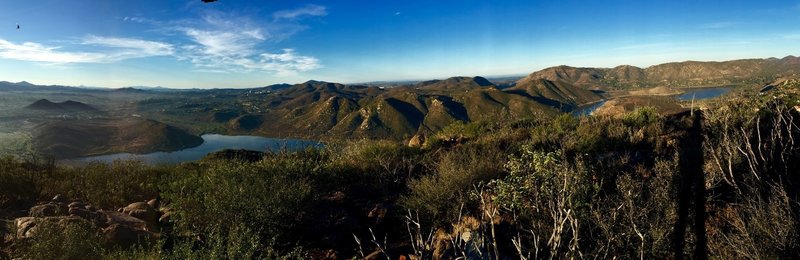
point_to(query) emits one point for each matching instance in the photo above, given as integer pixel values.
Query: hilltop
(78, 138)
(318, 108)
(676, 74)
(66, 106)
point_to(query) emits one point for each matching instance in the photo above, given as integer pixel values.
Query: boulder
(123, 236)
(113, 217)
(143, 211)
(48, 210)
(25, 227)
(76, 204)
(59, 198)
(154, 203)
(416, 141)
(96, 218)
(378, 213)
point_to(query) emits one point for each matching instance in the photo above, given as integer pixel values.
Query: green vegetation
(719, 181)
(564, 188)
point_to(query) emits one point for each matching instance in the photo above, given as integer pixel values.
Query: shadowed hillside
(77, 138)
(66, 106)
(677, 74)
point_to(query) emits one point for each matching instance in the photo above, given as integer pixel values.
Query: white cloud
(138, 19)
(126, 48)
(308, 10)
(233, 46)
(30, 51)
(117, 49)
(719, 25)
(217, 42)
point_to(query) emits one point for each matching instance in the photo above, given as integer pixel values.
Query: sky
(252, 43)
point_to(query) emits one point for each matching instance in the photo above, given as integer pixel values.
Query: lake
(587, 110)
(703, 93)
(211, 143)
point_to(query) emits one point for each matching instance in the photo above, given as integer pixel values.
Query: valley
(82, 122)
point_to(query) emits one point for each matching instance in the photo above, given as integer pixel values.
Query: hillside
(318, 108)
(78, 138)
(675, 74)
(66, 106)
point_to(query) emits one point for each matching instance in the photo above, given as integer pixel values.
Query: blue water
(587, 110)
(703, 93)
(211, 143)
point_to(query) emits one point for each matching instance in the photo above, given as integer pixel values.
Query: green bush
(267, 197)
(640, 117)
(62, 240)
(440, 196)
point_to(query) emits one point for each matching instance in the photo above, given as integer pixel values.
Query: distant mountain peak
(66, 106)
(456, 82)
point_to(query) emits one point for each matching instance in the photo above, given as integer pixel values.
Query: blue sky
(237, 43)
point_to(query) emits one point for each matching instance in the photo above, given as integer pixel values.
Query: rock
(60, 198)
(336, 197)
(48, 210)
(166, 218)
(378, 213)
(416, 141)
(25, 227)
(328, 254)
(76, 204)
(113, 217)
(89, 207)
(154, 203)
(123, 236)
(375, 255)
(144, 212)
(95, 217)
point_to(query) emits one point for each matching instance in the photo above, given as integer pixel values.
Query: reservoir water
(703, 93)
(587, 110)
(211, 143)
(688, 94)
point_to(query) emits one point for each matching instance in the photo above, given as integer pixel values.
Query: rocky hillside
(319, 108)
(676, 74)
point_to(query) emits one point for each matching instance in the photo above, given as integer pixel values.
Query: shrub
(640, 117)
(266, 197)
(440, 196)
(62, 240)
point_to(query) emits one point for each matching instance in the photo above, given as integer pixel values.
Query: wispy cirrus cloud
(216, 42)
(127, 48)
(116, 49)
(719, 25)
(232, 45)
(305, 11)
(31, 51)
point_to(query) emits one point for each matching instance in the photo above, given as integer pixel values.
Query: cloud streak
(305, 11)
(213, 43)
(719, 25)
(116, 49)
(226, 45)
(30, 51)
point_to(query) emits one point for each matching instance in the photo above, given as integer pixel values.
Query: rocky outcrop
(135, 224)
(416, 141)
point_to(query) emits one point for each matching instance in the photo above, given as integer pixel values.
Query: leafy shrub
(640, 117)
(267, 197)
(441, 195)
(62, 240)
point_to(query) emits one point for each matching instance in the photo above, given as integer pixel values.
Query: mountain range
(316, 109)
